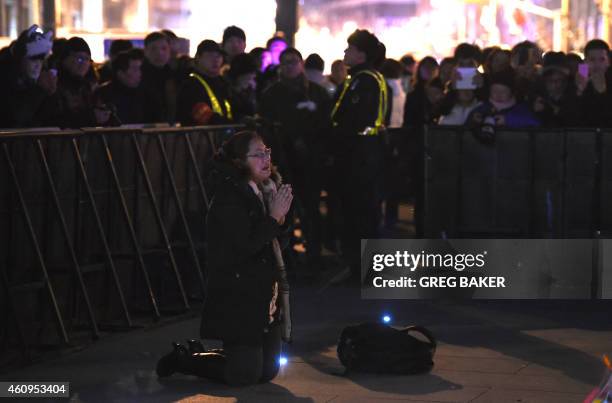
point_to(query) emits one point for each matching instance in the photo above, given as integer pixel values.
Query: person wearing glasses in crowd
(75, 89)
(245, 219)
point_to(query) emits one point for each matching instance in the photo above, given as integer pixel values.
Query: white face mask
(500, 106)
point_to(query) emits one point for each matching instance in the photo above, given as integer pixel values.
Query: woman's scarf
(281, 288)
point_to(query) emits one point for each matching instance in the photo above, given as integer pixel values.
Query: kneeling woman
(243, 223)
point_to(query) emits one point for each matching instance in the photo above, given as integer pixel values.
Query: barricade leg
(179, 207)
(158, 218)
(100, 230)
(128, 221)
(196, 170)
(67, 238)
(45, 282)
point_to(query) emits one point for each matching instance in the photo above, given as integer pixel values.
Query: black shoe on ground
(171, 362)
(195, 346)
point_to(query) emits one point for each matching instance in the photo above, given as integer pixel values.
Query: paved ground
(513, 351)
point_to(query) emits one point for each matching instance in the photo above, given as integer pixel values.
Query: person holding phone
(554, 100)
(502, 109)
(592, 85)
(526, 60)
(241, 307)
(466, 75)
(28, 86)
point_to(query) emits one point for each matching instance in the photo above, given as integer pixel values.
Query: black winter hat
(242, 64)
(555, 61)
(74, 45)
(366, 42)
(208, 45)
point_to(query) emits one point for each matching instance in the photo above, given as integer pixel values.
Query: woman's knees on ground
(244, 365)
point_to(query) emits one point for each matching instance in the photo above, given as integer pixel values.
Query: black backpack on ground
(378, 348)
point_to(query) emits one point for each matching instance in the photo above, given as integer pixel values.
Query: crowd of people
(54, 83)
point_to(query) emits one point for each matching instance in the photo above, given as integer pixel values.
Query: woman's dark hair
(235, 149)
(417, 80)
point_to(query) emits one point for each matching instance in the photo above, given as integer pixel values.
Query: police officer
(358, 119)
(204, 97)
(301, 109)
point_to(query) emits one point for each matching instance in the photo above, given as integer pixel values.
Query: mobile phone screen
(583, 70)
(467, 78)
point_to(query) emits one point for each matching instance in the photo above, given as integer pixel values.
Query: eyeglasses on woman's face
(262, 155)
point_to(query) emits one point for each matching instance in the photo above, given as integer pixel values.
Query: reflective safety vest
(216, 106)
(382, 103)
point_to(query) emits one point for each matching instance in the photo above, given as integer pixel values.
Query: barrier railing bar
(158, 218)
(100, 229)
(33, 239)
(179, 207)
(67, 239)
(196, 171)
(532, 183)
(212, 140)
(130, 225)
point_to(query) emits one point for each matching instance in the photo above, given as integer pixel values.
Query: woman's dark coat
(241, 266)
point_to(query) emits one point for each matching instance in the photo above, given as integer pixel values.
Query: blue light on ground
(282, 360)
(386, 318)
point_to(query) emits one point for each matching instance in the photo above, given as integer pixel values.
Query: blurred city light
(420, 27)
(427, 27)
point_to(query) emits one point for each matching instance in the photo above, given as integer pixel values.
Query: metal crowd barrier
(526, 184)
(99, 226)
